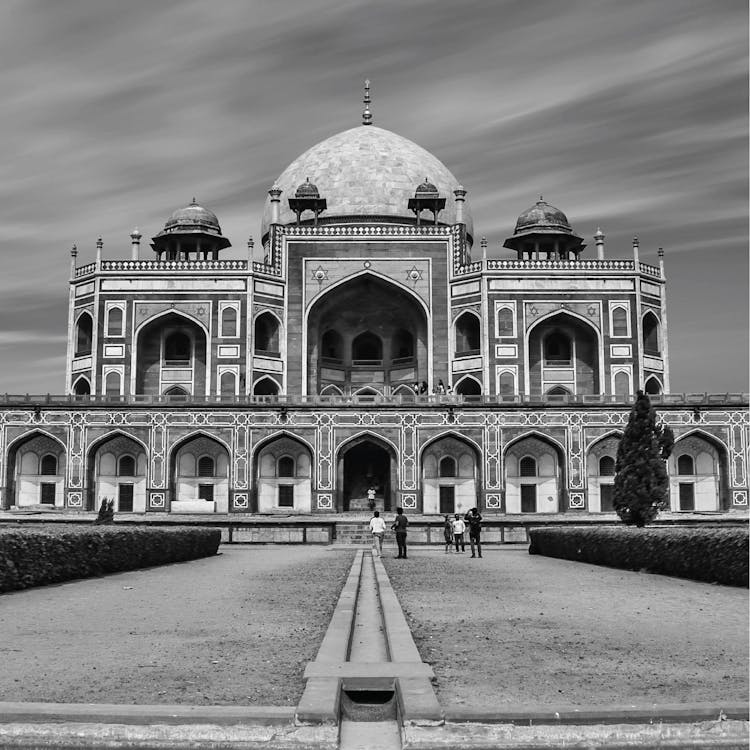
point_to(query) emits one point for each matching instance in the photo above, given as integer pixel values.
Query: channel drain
(368, 669)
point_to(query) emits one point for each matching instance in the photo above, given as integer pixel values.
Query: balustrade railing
(406, 399)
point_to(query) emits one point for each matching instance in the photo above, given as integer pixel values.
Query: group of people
(439, 390)
(377, 527)
(454, 530)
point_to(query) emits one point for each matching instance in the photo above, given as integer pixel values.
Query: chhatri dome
(367, 174)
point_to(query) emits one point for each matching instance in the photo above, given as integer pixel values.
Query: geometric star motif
(414, 274)
(320, 274)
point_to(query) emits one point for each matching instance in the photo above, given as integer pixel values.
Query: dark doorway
(365, 465)
(48, 493)
(125, 498)
(447, 499)
(687, 496)
(528, 498)
(605, 493)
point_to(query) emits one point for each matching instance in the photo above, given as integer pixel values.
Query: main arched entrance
(367, 332)
(365, 463)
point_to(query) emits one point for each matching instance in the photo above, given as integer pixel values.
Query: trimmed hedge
(715, 555)
(35, 556)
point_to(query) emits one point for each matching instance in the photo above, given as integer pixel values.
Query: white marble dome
(367, 172)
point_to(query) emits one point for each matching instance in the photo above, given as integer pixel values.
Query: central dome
(367, 172)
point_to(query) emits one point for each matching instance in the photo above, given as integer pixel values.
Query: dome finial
(194, 202)
(366, 114)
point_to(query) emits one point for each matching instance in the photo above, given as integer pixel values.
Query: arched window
(403, 345)
(126, 466)
(286, 466)
(528, 466)
(469, 387)
(176, 390)
(367, 348)
(506, 384)
(82, 387)
(114, 321)
(229, 321)
(206, 466)
(228, 384)
(112, 383)
(619, 321)
(84, 334)
(653, 386)
(685, 465)
(651, 334)
(505, 321)
(606, 466)
(48, 465)
(447, 467)
(557, 350)
(267, 335)
(467, 334)
(266, 387)
(622, 384)
(558, 390)
(177, 349)
(332, 346)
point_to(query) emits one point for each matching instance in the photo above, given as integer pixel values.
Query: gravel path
(516, 628)
(237, 628)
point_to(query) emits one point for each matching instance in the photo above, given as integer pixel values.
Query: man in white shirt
(459, 527)
(377, 527)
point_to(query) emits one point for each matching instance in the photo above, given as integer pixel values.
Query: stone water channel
(368, 675)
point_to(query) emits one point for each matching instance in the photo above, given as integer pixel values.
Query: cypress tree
(641, 487)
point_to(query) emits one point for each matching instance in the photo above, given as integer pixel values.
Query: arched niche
(541, 492)
(191, 490)
(600, 473)
(265, 386)
(283, 476)
(28, 481)
(468, 335)
(450, 470)
(563, 351)
(108, 462)
(84, 334)
(706, 487)
(266, 335)
(171, 353)
(364, 462)
(651, 335)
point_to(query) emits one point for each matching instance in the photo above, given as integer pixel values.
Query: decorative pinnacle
(74, 251)
(366, 114)
(135, 234)
(636, 241)
(661, 252)
(459, 192)
(599, 234)
(99, 243)
(194, 202)
(275, 193)
(250, 243)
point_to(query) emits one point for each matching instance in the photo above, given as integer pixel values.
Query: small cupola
(426, 198)
(543, 232)
(307, 198)
(190, 233)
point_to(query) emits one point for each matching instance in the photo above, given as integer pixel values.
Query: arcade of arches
(450, 469)
(356, 342)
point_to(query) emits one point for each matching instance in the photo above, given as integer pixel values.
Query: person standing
(459, 527)
(399, 526)
(474, 520)
(448, 534)
(377, 527)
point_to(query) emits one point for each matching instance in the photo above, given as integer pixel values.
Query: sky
(629, 116)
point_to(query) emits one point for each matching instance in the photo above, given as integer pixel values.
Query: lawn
(512, 628)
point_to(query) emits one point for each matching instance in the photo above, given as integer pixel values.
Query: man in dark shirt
(399, 525)
(474, 522)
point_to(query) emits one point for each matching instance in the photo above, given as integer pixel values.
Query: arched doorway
(600, 473)
(366, 332)
(365, 463)
(116, 470)
(171, 353)
(35, 472)
(563, 351)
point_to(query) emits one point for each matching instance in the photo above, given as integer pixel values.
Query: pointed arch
(267, 329)
(82, 386)
(653, 386)
(266, 386)
(463, 386)
(610, 434)
(651, 327)
(367, 390)
(451, 434)
(364, 436)
(540, 436)
(467, 330)
(170, 311)
(13, 495)
(84, 334)
(331, 390)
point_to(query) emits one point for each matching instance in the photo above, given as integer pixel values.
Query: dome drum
(544, 232)
(190, 233)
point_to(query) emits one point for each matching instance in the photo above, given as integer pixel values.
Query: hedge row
(716, 555)
(35, 556)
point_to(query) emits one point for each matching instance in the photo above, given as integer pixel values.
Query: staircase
(354, 532)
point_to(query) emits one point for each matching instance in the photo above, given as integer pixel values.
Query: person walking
(377, 527)
(399, 526)
(448, 534)
(474, 520)
(459, 527)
